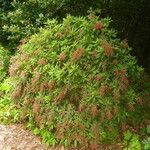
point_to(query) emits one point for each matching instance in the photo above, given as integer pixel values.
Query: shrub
(4, 62)
(75, 82)
(131, 141)
(8, 111)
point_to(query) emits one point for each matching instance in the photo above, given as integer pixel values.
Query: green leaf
(36, 131)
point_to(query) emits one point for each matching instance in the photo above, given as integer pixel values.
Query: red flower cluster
(62, 56)
(116, 95)
(13, 68)
(139, 100)
(98, 26)
(123, 80)
(17, 93)
(108, 113)
(104, 89)
(24, 57)
(36, 108)
(124, 127)
(81, 107)
(94, 110)
(123, 83)
(130, 107)
(42, 62)
(62, 93)
(115, 110)
(98, 77)
(108, 50)
(95, 131)
(93, 145)
(51, 85)
(120, 72)
(82, 127)
(78, 54)
(35, 79)
(43, 86)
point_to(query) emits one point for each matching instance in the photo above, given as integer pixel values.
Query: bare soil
(16, 137)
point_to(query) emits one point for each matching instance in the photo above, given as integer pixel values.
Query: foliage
(4, 62)
(8, 112)
(146, 144)
(131, 141)
(146, 141)
(26, 17)
(76, 82)
(5, 7)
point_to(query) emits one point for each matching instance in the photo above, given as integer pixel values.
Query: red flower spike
(130, 107)
(98, 77)
(35, 108)
(139, 100)
(62, 93)
(108, 50)
(116, 95)
(62, 56)
(98, 26)
(108, 113)
(51, 85)
(78, 54)
(123, 83)
(115, 110)
(81, 108)
(103, 90)
(94, 111)
(42, 62)
(93, 146)
(35, 79)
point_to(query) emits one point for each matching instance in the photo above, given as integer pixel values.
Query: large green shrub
(75, 82)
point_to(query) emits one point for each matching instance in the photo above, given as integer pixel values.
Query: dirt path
(15, 137)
